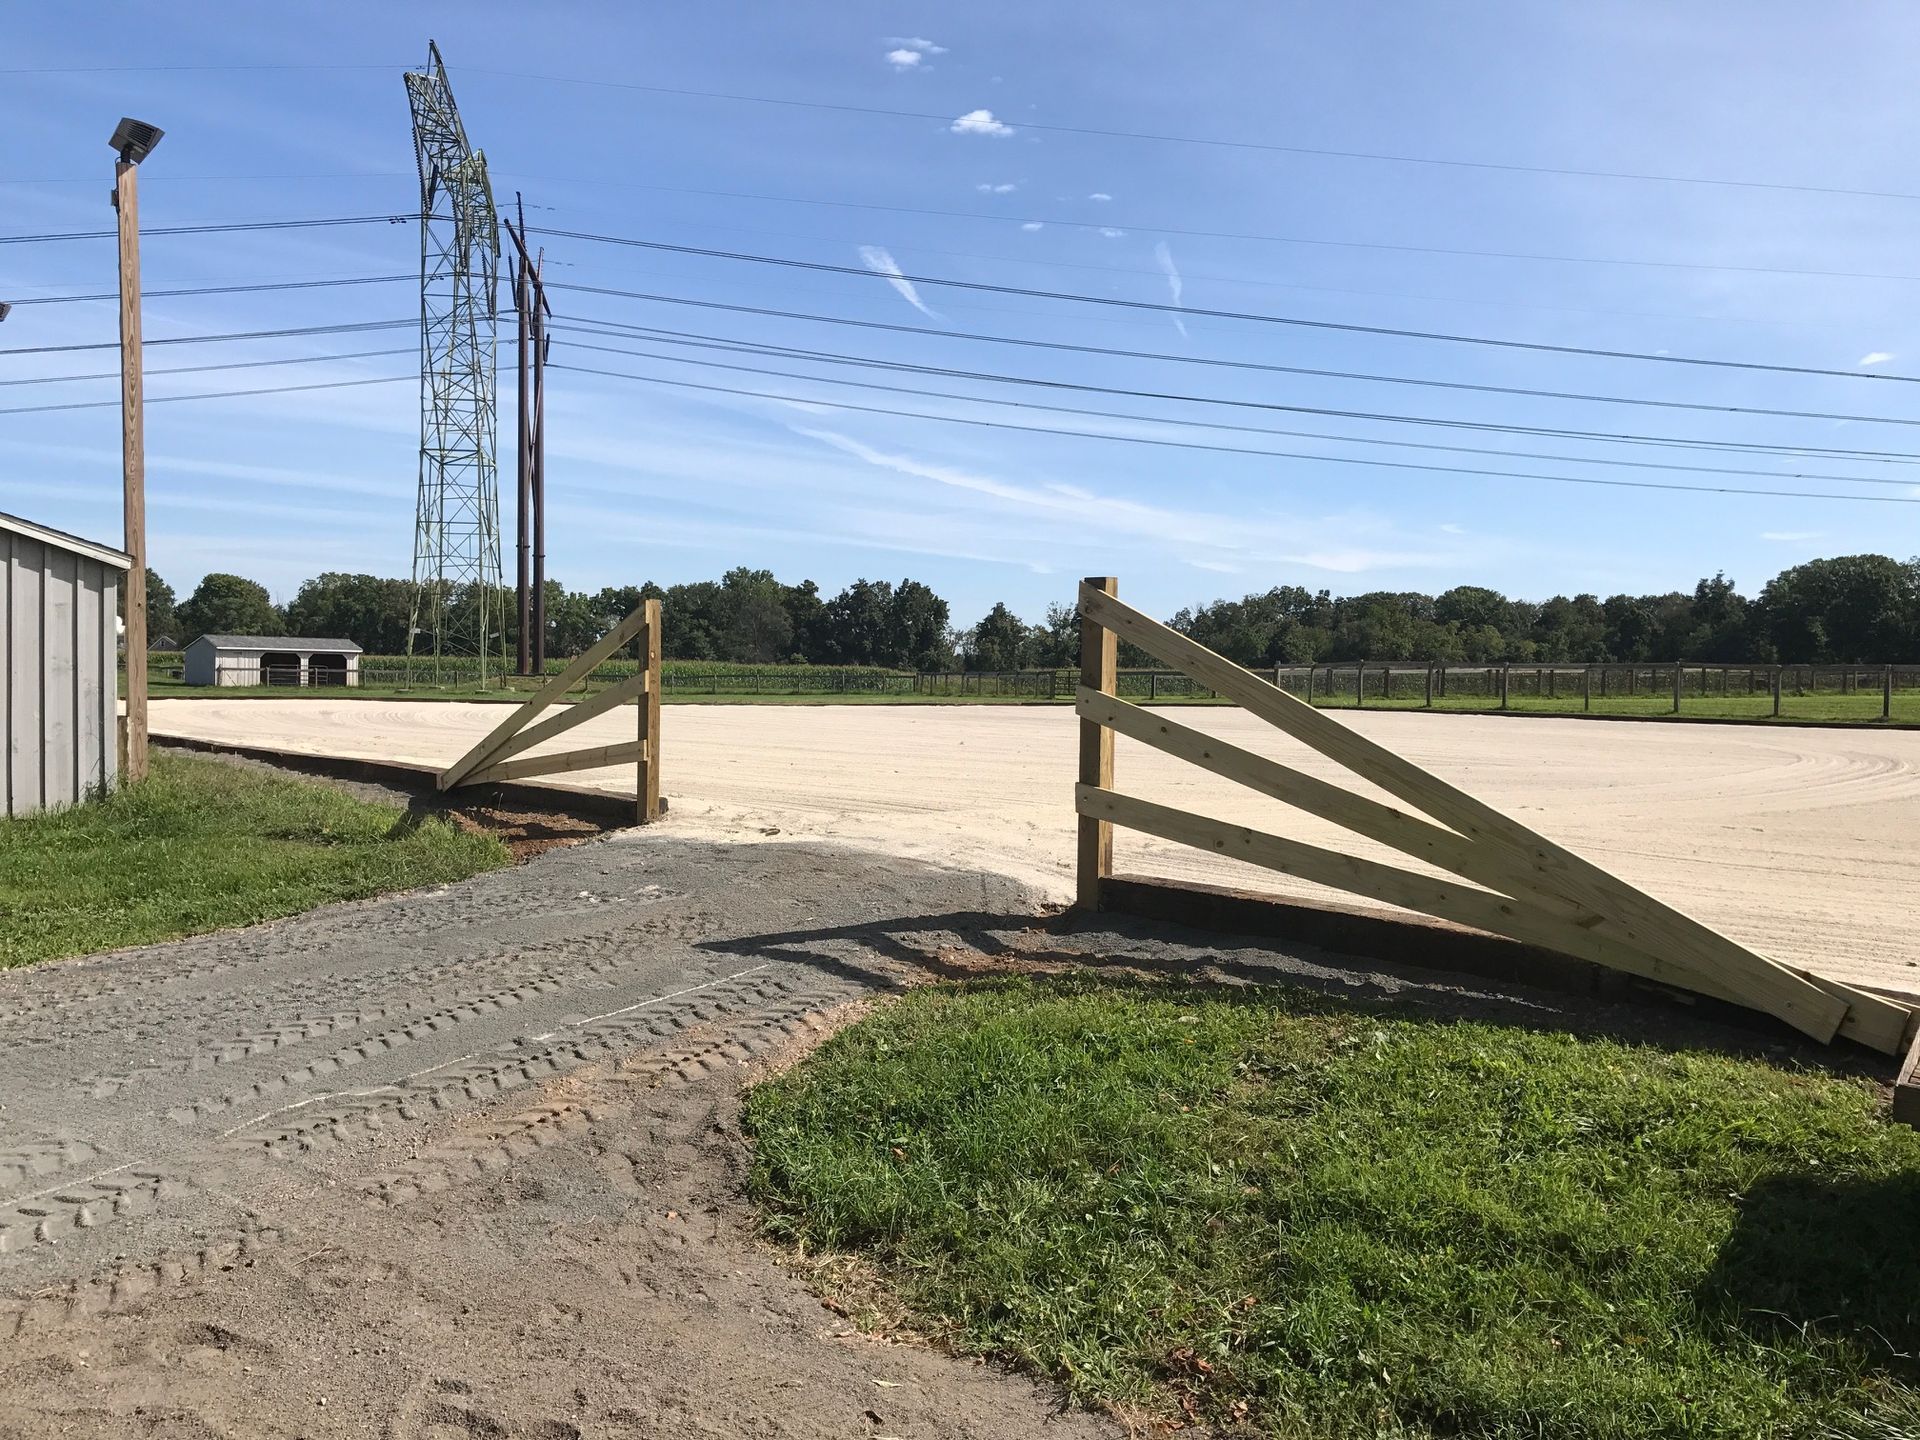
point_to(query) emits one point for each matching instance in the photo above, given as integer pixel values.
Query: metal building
(270, 660)
(59, 666)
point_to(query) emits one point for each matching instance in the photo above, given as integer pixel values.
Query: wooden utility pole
(133, 463)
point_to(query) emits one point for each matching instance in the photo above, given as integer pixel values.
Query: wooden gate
(492, 759)
(1523, 885)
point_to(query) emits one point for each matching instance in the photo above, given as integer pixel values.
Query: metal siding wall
(88, 751)
(109, 700)
(6, 673)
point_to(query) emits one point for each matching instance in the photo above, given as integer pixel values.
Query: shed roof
(61, 540)
(278, 642)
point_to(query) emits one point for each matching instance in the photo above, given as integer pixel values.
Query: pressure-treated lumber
(577, 713)
(1537, 865)
(565, 761)
(546, 695)
(1462, 904)
(1099, 673)
(646, 796)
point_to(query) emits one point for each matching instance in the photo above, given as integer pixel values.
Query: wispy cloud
(1032, 225)
(1876, 357)
(876, 259)
(980, 122)
(1174, 284)
(1791, 534)
(1451, 529)
(1111, 233)
(910, 51)
(1006, 188)
(1100, 195)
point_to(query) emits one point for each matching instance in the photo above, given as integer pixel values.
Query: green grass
(200, 845)
(1292, 1216)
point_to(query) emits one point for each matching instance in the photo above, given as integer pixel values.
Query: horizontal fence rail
(1500, 877)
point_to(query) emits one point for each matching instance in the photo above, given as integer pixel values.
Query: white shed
(270, 660)
(59, 666)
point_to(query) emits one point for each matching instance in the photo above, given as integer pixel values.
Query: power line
(1181, 423)
(1215, 361)
(1164, 307)
(201, 369)
(1160, 137)
(1238, 450)
(1120, 223)
(224, 227)
(346, 329)
(832, 357)
(1555, 432)
(211, 395)
(221, 289)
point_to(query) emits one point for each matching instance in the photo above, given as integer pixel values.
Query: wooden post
(1429, 685)
(1506, 676)
(1099, 660)
(1886, 693)
(1586, 688)
(1776, 692)
(1153, 685)
(1359, 684)
(647, 780)
(1678, 673)
(133, 466)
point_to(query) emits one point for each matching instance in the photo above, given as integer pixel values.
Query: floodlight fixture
(5, 309)
(135, 139)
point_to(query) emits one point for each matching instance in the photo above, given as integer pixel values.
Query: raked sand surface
(1804, 844)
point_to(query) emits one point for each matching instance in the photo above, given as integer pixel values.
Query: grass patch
(1290, 1216)
(200, 845)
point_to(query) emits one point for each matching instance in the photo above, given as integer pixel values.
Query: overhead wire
(338, 329)
(1179, 422)
(1170, 308)
(809, 401)
(211, 395)
(221, 289)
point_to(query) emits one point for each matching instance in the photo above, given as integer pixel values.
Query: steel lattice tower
(457, 600)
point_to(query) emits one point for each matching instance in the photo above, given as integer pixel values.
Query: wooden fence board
(548, 694)
(567, 760)
(578, 713)
(1534, 862)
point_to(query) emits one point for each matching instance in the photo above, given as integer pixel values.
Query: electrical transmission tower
(457, 602)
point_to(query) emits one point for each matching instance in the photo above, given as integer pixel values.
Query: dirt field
(1801, 843)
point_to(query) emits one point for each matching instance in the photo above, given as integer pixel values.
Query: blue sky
(651, 482)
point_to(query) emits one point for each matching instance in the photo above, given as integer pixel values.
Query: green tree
(998, 642)
(230, 605)
(916, 629)
(1861, 609)
(366, 609)
(754, 623)
(163, 623)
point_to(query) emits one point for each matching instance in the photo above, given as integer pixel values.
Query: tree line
(1850, 609)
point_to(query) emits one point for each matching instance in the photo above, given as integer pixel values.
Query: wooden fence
(1521, 884)
(492, 759)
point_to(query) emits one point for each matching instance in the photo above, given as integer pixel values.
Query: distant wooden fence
(492, 759)
(1523, 885)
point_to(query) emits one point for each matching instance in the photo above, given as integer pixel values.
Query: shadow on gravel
(890, 954)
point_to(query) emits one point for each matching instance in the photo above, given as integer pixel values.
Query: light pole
(133, 141)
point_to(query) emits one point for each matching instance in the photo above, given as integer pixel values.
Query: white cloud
(1111, 233)
(1032, 225)
(903, 59)
(1791, 534)
(915, 42)
(1174, 284)
(1453, 529)
(1003, 189)
(1875, 357)
(980, 122)
(876, 259)
(1100, 195)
